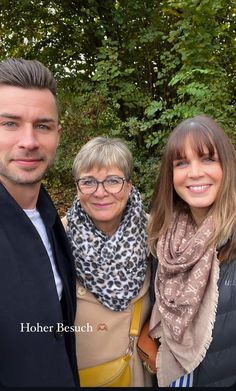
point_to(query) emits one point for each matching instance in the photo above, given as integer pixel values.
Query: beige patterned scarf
(186, 297)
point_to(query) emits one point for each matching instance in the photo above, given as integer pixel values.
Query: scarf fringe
(212, 316)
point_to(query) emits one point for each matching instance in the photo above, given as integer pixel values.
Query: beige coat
(103, 334)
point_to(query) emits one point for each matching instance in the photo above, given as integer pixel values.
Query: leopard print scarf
(186, 297)
(112, 268)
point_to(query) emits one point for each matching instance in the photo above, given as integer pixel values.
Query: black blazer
(35, 350)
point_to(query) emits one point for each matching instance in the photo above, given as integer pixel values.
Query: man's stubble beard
(17, 180)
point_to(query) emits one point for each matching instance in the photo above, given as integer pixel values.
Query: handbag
(115, 373)
(147, 349)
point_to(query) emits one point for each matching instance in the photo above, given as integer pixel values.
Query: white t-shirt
(36, 219)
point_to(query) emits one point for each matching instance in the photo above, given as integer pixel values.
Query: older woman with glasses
(106, 226)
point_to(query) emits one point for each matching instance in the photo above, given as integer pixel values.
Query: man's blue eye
(9, 124)
(42, 126)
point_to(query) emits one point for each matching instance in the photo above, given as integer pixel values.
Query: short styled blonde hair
(103, 152)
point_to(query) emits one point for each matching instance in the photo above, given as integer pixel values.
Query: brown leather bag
(147, 349)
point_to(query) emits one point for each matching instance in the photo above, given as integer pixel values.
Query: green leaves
(154, 106)
(132, 69)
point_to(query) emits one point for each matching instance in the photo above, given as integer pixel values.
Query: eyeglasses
(112, 184)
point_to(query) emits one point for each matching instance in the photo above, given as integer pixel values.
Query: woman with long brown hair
(192, 231)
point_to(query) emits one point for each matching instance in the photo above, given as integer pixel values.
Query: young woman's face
(197, 180)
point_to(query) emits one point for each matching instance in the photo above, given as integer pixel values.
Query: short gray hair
(103, 152)
(18, 72)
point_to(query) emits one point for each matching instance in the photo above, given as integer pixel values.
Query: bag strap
(134, 327)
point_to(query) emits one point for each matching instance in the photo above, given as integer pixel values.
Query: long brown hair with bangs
(204, 132)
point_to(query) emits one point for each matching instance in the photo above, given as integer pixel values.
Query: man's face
(29, 134)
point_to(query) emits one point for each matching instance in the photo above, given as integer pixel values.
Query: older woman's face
(103, 208)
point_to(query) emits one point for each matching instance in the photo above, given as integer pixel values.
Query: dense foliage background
(127, 68)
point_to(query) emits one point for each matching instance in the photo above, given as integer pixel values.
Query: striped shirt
(183, 381)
